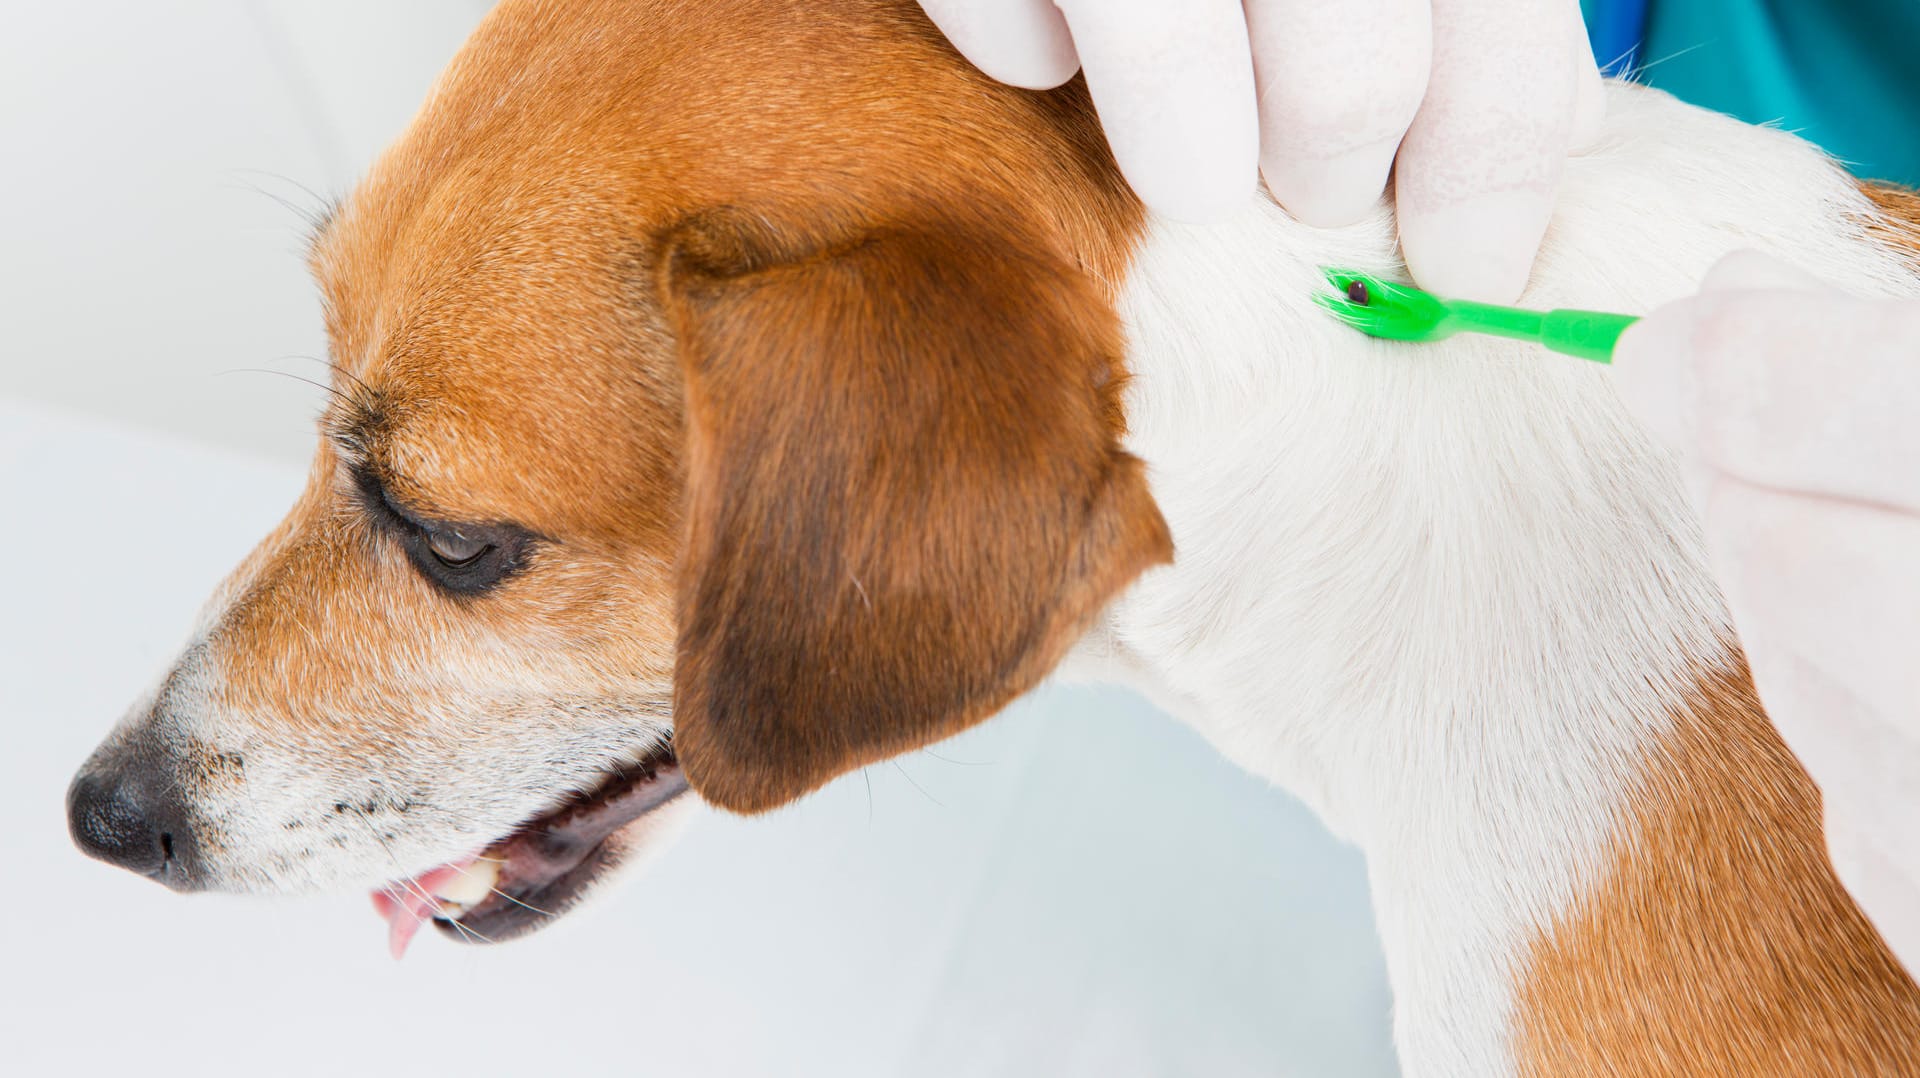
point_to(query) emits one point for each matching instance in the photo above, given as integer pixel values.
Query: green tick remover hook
(1403, 313)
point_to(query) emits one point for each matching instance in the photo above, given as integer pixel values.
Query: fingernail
(1193, 196)
(1480, 248)
(1653, 374)
(1330, 192)
(1589, 93)
(1749, 269)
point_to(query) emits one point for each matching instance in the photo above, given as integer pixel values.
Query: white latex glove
(1481, 99)
(1796, 410)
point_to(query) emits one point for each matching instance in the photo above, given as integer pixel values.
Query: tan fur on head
(904, 491)
(794, 393)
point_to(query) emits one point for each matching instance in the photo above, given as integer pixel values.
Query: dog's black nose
(116, 822)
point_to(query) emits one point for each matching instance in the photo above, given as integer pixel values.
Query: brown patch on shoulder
(1899, 224)
(1720, 942)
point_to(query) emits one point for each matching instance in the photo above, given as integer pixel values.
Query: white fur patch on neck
(1446, 593)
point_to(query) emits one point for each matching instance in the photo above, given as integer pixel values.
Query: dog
(732, 395)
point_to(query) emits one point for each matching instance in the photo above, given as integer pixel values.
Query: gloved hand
(1482, 100)
(1796, 411)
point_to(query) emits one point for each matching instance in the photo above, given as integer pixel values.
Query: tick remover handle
(1586, 334)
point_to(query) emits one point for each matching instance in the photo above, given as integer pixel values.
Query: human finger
(1478, 170)
(1173, 84)
(1810, 392)
(1881, 881)
(1832, 584)
(1338, 86)
(1589, 91)
(1019, 42)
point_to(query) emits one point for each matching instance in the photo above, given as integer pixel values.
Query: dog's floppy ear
(905, 496)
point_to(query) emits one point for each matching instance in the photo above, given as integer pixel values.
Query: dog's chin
(548, 864)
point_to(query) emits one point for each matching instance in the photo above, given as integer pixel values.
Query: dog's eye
(456, 551)
(468, 558)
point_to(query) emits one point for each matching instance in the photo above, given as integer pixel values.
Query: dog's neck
(1454, 599)
(1430, 591)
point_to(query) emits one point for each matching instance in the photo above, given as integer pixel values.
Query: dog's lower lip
(547, 863)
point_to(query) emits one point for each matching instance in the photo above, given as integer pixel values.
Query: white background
(1080, 887)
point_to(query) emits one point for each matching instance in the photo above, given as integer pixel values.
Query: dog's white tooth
(469, 887)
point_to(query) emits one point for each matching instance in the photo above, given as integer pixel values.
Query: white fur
(1446, 593)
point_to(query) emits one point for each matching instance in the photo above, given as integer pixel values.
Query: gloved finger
(1749, 270)
(1864, 772)
(1653, 363)
(1589, 91)
(1338, 84)
(1019, 42)
(1652, 371)
(1834, 584)
(1477, 173)
(1173, 84)
(1780, 380)
(1810, 392)
(1862, 765)
(1881, 881)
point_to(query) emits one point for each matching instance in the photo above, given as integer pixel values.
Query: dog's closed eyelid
(380, 502)
(374, 498)
(460, 558)
(377, 493)
(466, 560)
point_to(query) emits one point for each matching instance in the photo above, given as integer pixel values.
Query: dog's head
(726, 391)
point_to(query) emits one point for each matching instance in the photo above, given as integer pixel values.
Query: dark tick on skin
(1357, 292)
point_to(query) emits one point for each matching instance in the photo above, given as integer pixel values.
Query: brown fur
(906, 498)
(1898, 220)
(1720, 942)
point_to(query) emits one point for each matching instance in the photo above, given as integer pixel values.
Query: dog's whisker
(286, 374)
(413, 885)
(951, 760)
(335, 366)
(521, 904)
(341, 368)
(404, 880)
(315, 216)
(915, 785)
(466, 930)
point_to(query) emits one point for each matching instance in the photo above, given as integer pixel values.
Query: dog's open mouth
(545, 866)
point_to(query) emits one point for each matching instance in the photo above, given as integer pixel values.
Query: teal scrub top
(1844, 74)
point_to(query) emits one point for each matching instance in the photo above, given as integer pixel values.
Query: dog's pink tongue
(408, 904)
